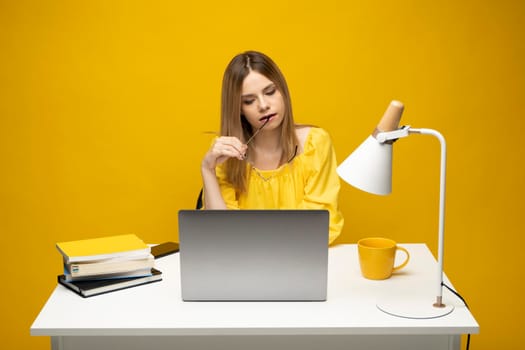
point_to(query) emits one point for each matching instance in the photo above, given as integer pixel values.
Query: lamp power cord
(466, 305)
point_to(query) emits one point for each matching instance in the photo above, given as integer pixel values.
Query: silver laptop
(253, 255)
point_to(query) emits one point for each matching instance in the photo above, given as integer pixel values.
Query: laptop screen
(253, 254)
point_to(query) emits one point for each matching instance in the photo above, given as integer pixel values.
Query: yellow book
(103, 248)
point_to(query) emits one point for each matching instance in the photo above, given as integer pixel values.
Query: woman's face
(261, 100)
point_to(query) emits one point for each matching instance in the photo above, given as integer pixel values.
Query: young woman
(263, 160)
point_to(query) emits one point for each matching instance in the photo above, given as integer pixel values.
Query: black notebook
(96, 287)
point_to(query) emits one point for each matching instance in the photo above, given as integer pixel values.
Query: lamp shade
(369, 167)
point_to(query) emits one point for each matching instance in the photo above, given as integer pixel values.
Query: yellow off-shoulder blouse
(309, 181)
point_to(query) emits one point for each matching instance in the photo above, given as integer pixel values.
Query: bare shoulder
(302, 132)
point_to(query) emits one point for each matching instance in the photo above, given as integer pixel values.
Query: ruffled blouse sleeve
(321, 190)
(227, 190)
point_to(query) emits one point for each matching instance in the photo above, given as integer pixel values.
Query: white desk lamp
(369, 168)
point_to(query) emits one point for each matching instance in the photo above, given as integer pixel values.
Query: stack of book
(101, 265)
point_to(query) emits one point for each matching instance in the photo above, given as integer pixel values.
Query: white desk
(154, 316)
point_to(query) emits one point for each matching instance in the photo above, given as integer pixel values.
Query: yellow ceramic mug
(377, 256)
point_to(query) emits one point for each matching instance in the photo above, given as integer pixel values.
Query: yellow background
(104, 105)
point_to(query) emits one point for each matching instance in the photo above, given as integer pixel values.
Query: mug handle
(404, 262)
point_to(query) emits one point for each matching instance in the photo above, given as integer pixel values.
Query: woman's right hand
(224, 147)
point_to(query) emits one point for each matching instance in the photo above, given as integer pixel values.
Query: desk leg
(455, 342)
(57, 343)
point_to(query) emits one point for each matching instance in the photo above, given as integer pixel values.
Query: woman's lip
(267, 117)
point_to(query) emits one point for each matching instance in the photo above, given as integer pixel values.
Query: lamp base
(417, 308)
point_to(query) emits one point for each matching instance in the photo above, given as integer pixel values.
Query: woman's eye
(248, 102)
(270, 92)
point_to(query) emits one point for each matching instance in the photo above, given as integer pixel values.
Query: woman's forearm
(212, 192)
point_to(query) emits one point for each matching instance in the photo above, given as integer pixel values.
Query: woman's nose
(263, 104)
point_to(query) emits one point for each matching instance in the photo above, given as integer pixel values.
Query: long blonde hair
(233, 123)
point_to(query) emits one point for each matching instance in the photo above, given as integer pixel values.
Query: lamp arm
(385, 136)
(442, 181)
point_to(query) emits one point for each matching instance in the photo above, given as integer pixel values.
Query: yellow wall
(103, 105)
